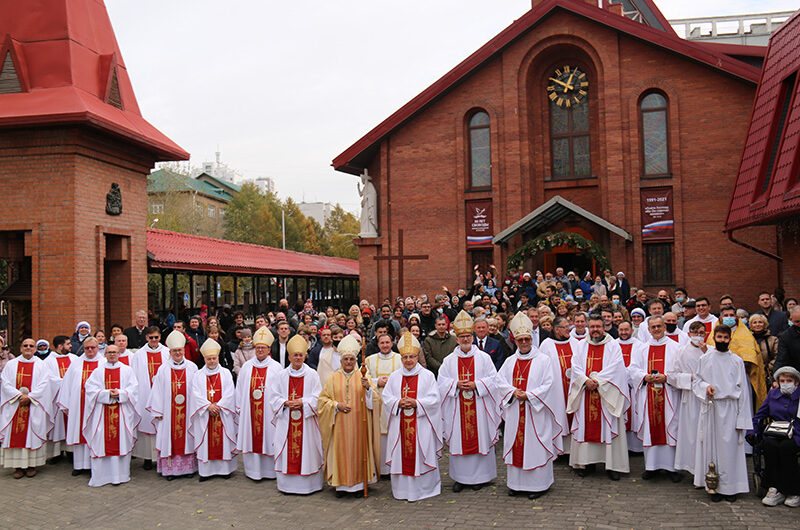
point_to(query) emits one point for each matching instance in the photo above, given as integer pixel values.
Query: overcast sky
(284, 87)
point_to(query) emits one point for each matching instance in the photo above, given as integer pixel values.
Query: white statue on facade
(369, 206)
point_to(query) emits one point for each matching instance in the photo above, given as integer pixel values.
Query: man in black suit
(136, 334)
(538, 334)
(486, 343)
(278, 349)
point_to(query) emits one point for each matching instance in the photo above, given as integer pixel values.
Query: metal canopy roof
(554, 210)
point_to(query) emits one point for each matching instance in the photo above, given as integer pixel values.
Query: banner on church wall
(479, 223)
(658, 220)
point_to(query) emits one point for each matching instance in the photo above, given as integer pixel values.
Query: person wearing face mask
(673, 333)
(689, 407)
(721, 384)
(680, 298)
(780, 453)
(744, 345)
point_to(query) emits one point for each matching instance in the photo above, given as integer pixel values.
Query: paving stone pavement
(54, 499)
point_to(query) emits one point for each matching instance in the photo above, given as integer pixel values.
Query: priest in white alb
(560, 348)
(656, 403)
(689, 413)
(212, 416)
(25, 412)
(169, 405)
(298, 443)
(329, 356)
(72, 400)
(145, 364)
(256, 431)
(125, 355)
(630, 347)
(598, 398)
(111, 419)
(532, 400)
(380, 366)
(413, 405)
(57, 364)
(470, 412)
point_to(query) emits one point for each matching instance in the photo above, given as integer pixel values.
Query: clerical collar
(212, 371)
(414, 371)
(177, 365)
(112, 365)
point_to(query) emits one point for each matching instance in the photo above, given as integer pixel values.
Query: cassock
(256, 431)
(110, 424)
(383, 365)
(628, 348)
(145, 365)
(24, 429)
(57, 365)
(214, 437)
(72, 400)
(685, 368)
(470, 417)
(343, 434)
(656, 405)
(329, 362)
(534, 428)
(415, 442)
(599, 415)
(723, 421)
(298, 442)
(745, 346)
(169, 400)
(560, 353)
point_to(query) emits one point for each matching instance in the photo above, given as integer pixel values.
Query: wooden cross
(400, 258)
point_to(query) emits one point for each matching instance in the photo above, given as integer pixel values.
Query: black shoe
(170, 478)
(76, 472)
(457, 487)
(647, 475)
(730, 498)
(203, 479)
(148, 465)
(613, 475)
(716, 497)
(536, 494)
(675, 476)
(581, 472)
(340, 494)
(512, 493)
(477, 487)
(229, 475)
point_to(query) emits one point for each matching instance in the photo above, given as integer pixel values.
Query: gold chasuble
(343, 434)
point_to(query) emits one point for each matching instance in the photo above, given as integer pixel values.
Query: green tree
(341, 227)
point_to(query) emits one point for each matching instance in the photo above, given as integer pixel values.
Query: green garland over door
(547, 241)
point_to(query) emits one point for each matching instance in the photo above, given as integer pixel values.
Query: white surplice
(329, 362)
(655, 456)
(311, 473)
(545, 420)
(160, 406)
(198, 418)
(634, 443)
(39, 410)
(477, 468)
(114, 469)
(69, 400)
(685, 368)
(561, 373)
(614, 401)
(59, 431)
(145, 442)
(259, 461)
(383, 365)
(723, 421)
(426, 481)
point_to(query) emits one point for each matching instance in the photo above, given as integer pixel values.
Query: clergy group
(588, 400)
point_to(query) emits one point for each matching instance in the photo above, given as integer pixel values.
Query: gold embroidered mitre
(463, 323)
(408, 343)
(521, 325)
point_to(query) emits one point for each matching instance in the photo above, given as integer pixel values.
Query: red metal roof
(173, 250)
(748, 204)
(356, 157)
(65, 54)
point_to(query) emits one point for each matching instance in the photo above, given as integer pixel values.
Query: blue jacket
(587, 289)
(493, 348)
(778, 407)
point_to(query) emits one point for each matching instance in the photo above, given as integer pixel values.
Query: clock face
(568, 86)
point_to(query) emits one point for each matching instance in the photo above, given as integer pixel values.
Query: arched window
(480, 151)
(570, 139)
(655, 152)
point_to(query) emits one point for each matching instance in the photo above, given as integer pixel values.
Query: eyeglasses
(28, 346)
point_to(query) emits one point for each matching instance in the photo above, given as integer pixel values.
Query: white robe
(69, 400)
(685, 368)
(574, 335)
(39, 410)
(59, 432)
(426, 481)
(545, 420)
(472, 468)
(160, 406)
(311, 473)
(329, 362)
(145, 442)
(550, 347)
(259, 462)
(198, 417)
(110, 469)
(723, 421)
(655, 456)
(380, 365)
(709, 319)
(634, 443)
(614, 401)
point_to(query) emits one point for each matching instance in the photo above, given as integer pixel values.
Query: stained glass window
(654, 135)
(480, 151)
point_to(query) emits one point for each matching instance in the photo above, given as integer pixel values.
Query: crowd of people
(549, 366)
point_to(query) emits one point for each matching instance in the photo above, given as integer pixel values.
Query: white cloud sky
(284, 87)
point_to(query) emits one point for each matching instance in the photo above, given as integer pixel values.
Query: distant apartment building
(750, 30)
(319, 211)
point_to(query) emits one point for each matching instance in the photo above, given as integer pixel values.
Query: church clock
(567, 86)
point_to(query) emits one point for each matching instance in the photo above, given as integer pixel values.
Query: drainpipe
(770, 255)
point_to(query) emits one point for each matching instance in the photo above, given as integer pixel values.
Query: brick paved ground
(54, 499)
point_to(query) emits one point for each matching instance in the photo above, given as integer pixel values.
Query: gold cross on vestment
(293, 395)
(211, 393)
(466, 375)
(519, 379)
(405, 390)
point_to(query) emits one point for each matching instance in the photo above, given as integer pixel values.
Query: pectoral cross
(293, 395)
(465, 376)
(211, 393)
(405, 390)
(519, 380)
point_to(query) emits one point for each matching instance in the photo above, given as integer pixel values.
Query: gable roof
(71, 71)
(748, 205)
(355, 158)
(164, 180)
(229, 187)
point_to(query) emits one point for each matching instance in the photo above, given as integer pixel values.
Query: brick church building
(578, 118)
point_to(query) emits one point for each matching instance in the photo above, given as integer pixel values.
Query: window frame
(590, 132)
(776, 136)
(468, 136)
(641, 111)
(649, 281)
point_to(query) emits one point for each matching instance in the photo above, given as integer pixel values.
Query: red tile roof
(173, 250)
(748, 205)
(65, 54)
(356, 157)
